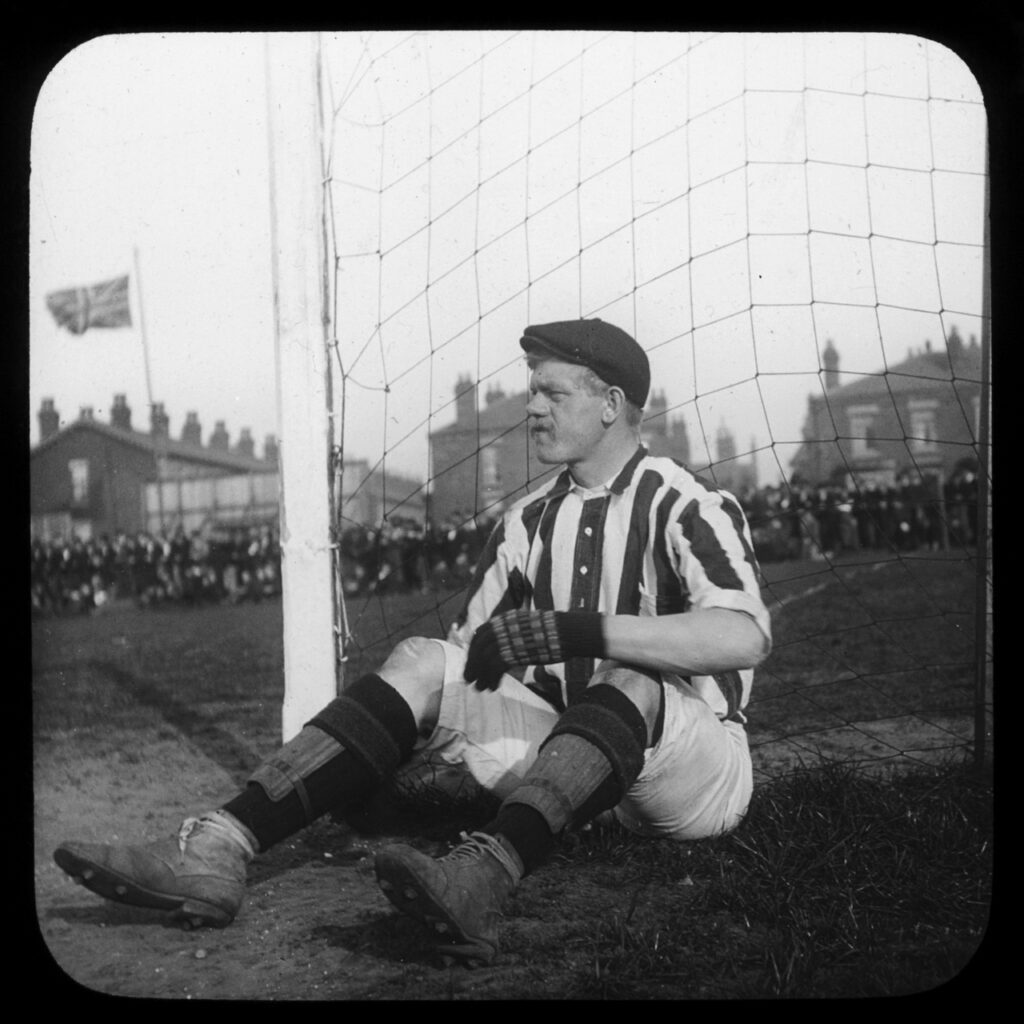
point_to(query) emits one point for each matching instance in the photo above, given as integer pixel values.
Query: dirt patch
(144, 718)
(314, 924)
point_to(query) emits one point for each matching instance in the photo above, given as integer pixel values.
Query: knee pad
(373, 721)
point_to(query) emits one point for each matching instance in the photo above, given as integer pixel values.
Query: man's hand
(530, 638)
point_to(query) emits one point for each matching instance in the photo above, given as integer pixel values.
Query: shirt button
(583, 570)
(588, 531)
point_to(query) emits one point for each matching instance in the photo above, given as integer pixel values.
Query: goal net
(791, 225)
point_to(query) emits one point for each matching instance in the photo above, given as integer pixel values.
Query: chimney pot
(830, 361)
(192, 431)
(159, 422)
(465, 399)
(120, 413)
(270, 449)
(49, 420)
(220, 440)
(245, 444)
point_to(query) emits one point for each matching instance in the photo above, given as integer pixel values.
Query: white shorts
(696, 781)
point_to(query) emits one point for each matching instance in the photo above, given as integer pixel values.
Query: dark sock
(339, 783)
(527, 833)
(584, 767)
(375, 732)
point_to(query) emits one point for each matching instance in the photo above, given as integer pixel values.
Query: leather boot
(199, 874)
(461, 897)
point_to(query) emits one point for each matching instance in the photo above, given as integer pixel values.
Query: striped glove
(530, 638)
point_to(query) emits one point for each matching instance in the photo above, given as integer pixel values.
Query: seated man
(600, 664)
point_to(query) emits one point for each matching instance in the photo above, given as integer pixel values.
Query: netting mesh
(740, 204)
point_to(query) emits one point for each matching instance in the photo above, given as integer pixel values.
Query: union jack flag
(99, 305)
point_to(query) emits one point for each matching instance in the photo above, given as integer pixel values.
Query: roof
(500, 415)
(168, 446)
(908, 376)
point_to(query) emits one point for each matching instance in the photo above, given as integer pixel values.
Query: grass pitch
(864, 867)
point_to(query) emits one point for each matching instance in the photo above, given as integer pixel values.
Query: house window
(862, 429)
(490, 473)
(922, 425)
(79, 469)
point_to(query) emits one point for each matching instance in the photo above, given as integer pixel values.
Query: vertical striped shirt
(655, 540)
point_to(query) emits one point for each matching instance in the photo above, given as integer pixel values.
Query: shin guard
(592, 756)
(340, 757)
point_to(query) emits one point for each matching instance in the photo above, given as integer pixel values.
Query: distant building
(734, 473)
(89, 477)
(371, 497)
(484, 461)
(918, 418)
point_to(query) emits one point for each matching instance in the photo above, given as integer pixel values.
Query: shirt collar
(616, 485)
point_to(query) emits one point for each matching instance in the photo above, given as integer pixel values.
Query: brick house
(917, 419)
(89, 477)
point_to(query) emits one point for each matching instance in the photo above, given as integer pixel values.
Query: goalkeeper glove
(530, 638)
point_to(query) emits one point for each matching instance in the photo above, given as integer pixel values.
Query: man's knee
(644, 689)
(416, 669)
(414, 658)
(641, 686)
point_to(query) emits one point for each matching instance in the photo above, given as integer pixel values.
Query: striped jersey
(655, 540)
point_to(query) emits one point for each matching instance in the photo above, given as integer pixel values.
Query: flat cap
(606, 349)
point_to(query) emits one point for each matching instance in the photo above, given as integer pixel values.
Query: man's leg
(698, 782)
(590, 759)
(337, 760)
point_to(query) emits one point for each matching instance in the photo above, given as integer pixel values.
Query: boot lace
(188, 826)
(474, 845)
(191, 826)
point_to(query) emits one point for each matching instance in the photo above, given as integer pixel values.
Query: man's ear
(614, 404)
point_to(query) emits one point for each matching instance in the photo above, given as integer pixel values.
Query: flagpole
(158, 437)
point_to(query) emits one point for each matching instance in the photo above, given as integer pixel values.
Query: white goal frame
(311, 662)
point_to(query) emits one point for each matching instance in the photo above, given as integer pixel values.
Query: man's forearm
(698, 642)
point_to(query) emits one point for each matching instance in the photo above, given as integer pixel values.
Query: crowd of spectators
(237, 564)
(244, 563)
(202, 567)
(405, 555)
(818, 523)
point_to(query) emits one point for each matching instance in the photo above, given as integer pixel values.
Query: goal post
(311, 664)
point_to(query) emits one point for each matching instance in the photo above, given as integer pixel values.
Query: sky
(730, 200)
(149, 157)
